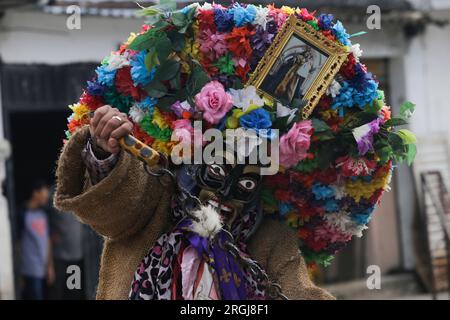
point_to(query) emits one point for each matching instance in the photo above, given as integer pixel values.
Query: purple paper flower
(272, 27)
(364, 135)
(223, 20)
(260, 42)
(180, 107)
(95, 89)
(325, 21)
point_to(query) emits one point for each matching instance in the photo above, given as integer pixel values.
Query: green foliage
(197, 79)
(407, 109)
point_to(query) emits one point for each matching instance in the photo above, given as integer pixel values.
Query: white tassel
(209, 222)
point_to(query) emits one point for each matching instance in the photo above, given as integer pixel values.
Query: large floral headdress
(192, 64)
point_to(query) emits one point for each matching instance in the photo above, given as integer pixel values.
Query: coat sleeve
(118, 206)
(275, 246)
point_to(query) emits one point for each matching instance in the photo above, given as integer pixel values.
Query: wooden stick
(140, 150)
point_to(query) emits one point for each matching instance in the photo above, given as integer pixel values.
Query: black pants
(34, 288)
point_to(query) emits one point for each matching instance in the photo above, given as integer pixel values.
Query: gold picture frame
(298, 45)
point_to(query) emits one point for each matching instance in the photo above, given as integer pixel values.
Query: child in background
(36, 263)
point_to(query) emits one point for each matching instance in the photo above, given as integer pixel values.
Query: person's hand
(107, 126)
(51, 275)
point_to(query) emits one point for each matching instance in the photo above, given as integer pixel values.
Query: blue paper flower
(350, 97)
(105, 76)
(331, 205)
(258, 120)
(325, 21)
(243, 15)
(341, 34)
(284, 208)
(147, 104)
(223, 20)
(322, 192)
(95, 89)
(139, 72)
(363, 217)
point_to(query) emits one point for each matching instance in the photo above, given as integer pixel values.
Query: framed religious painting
(299, 65)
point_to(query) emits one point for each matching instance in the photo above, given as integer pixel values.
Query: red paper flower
(239, 42)
(141, 135)
(243, 72)
(92, 102)
(348, 68)
(306, 16)
(206, 20)
(354, 167)
(73, 125)
(124, 84)
(282, 195)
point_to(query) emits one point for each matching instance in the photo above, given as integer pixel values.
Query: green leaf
(411, 154)
(156, 89)
(146, 40)
(140, 43)
(163, 47)
(166, 71)
(298, 103)
(395, 122)
(177, 39)
(197, 79)
(385, 154)
(151, 60)
(319, 125)
(175, 82)
(183, 20)
(407, 136)
(407, 109)
(179, 19)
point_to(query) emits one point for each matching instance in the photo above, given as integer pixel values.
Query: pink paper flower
(295, 144)
(214, 102)
(213, 45)
(182, 131)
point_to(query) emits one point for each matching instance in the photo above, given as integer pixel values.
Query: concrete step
(392, 287)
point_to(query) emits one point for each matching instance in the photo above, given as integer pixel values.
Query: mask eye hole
(216, 171)
(247, 184)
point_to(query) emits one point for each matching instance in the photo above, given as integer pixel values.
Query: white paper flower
(261, 17)
(207, 6)
(334, 89)
(339, 191)
(356, 50)
(136, 114)
(117, 61)
(246, 97)
(243, 141)
(283, 111)
(344, 223)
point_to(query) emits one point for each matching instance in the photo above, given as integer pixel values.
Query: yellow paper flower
(288, 10)
(360, 189)
(292, 219)
(130, 39)
(161, 146)
(328, 114)
(80, 111)
(268, 102)
(159, 120)
(233, 120)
